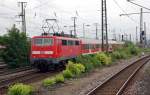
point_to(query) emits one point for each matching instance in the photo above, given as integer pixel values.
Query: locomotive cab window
(48, 41)
(43, 41)
(38, 41)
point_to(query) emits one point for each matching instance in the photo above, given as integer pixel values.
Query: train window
(38, 41)
(73, 43)
(91, 46)
(86, 46)
(43, 41)
(47, 41)
(76, 42)
(83, 46)
(70, 42)
(64, 42)
(97, 46)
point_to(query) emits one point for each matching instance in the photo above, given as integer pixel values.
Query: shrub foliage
(59, 78)
(103, 58)
(17, 48)
(20, 89)
(67, 74)
(49, 82)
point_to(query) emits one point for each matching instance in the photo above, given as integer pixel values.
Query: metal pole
(106, 26)
(102, 26)
(23, 16)
(130, 38)
(74, 22)
(145, 38)
(136, 35)
(24, 21)
(83, 30)
(141, 26)
(96, 31)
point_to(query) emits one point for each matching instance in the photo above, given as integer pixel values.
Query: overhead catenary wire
(139, 5)
(123, 11)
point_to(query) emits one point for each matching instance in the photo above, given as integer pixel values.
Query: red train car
(49, 51)
(90, 46)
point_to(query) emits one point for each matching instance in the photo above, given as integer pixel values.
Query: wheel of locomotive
(42, 67)
(63, 64)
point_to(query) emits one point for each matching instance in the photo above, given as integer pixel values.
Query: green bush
(103, 58)
(72, 67)
(49, 82)
(119, 55)
(96, 63)
(59, 78)
(109, 60)
(124, 55)
(134, 50)
(88, 66)
(80, 67)
(16, 53)
(20, 89)
(128, 44)
(116, 55)
(67, 74)
(84, 59)
(88, 62)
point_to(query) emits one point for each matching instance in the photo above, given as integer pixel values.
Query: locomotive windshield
(43, 41)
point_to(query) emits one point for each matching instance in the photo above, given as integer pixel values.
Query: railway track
(12, 78)
(2, 66)
(7, 71)
(29, 76)
(118, 82)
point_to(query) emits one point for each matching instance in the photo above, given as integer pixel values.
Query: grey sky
(38, 10)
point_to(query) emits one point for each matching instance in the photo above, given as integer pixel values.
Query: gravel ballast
(140, 85)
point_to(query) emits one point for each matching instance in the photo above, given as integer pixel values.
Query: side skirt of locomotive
(46, 64)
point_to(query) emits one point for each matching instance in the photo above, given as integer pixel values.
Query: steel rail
(8, 71)
(120, 90)
(130, 78)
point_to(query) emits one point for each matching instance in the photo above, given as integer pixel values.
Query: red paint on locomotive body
(54, 49)
(43, 51)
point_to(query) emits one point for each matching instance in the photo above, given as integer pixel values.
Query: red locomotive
(48, 51)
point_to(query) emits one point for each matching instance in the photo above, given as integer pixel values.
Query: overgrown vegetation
(20, 89)
(49, 82)
(67, 74)
(125, 52)
(75, 69)
(16, 53)
(59, 78)
(94, 61)
(72, 70)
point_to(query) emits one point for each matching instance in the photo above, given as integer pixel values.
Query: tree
(16, 53)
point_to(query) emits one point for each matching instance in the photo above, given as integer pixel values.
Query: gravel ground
(81, 86)
(140, 85)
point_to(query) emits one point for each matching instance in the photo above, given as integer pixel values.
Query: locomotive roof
(58, 37)
(84, 40)
(94, 41)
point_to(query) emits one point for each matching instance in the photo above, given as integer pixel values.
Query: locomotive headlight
(35, 52)
(49, 52)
